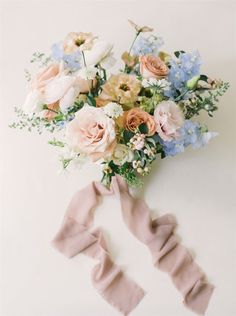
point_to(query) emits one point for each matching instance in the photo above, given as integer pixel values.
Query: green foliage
(149, 103)
(90, 99)
(65, 162)
(206, 101)
(40, 58)
(127, 135)
(27, 75)
(55, 142)
(30, 122)
(178, 53)
(143, 128)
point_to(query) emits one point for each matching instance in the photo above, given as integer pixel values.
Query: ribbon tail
(168, 255)
(75, 237)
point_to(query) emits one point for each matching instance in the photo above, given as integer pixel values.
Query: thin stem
(104, 74)
(47, 108)
(182, 94)
(136, 36)
(84, 59)
(126, 69)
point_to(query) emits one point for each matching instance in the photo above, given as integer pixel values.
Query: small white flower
(162, 84)
(87, 73)
(137, 141)
(146, 83)
(66, 153)
(113, 110)
(75, 160)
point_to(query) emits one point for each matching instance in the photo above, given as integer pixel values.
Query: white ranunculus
(99, 53)
(122, 154)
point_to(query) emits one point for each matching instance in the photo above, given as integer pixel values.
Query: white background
(197, 186)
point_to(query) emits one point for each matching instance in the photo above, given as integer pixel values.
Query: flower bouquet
(124, 120)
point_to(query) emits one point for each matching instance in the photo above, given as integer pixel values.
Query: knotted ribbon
(168, 255)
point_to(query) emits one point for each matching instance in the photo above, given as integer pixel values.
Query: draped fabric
(77, 236)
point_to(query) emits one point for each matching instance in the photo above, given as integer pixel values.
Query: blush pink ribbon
(75, 236)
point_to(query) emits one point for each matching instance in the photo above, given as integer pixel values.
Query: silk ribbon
(75, 236)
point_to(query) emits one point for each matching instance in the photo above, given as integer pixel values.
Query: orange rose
(153, 67)
(134, 117)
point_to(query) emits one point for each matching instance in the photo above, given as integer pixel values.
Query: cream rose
(91, 132)
(122, 154)
(169, 119)
(153, 67)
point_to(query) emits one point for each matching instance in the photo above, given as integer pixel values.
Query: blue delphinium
(189, 134)
(186, 67)
(173, 147)
(72, 61)
(147, 45)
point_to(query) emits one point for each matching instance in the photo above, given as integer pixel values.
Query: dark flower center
(124, 87)
(79, 41)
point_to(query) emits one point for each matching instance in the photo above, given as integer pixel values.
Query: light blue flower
(203, 139)
(71, 61)
(189, 134)
(186, 67)
(173, 147)
(147, 45)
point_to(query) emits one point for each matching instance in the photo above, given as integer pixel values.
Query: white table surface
(198, 187)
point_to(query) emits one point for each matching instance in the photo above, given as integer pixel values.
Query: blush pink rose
(153, 67)
(169, 119)
(92, 133)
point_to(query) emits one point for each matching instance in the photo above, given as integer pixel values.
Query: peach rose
(92, 133)
(134, 117)
(153, 67)
(169, 119)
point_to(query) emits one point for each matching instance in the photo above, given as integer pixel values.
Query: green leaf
(143, 128)
(156, 138)
(113, 167)
(178, 53)
(55, 142)
(151, 140)
(203, 78)
(127, 135)
(91, 100)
